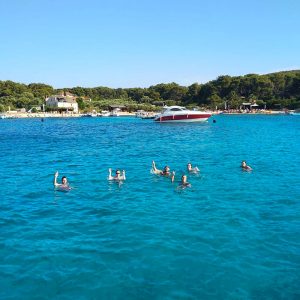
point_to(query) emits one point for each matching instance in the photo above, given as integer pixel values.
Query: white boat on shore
(2, 117)
(147, 117)
(144, 115)
(139, 113)
(172, 114)
(295, 112)
(90, 115)
(105, 113)
(115, 112)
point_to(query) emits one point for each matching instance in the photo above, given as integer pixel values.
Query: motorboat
(139, 113)
(105, 113)
(92, 114)
(181, 114)
(148, 116)
(115, 112)
(295, 112)
(144, 115)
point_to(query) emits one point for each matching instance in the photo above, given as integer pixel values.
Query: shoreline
(17, 115)
(52, 115)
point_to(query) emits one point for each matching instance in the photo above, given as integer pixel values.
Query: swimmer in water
(245, 167)
(183, 182)
(164, 172)
(118, 175)
(191, 169)
(64, 182)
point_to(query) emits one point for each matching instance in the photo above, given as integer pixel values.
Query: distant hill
(275, 90)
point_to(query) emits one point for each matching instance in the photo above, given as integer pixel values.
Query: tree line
(276, 90)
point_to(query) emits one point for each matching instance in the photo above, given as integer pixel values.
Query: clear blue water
(233, 235)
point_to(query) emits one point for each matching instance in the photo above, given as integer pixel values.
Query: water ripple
(233, 235)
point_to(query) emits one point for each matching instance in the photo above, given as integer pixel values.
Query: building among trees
(62, 103)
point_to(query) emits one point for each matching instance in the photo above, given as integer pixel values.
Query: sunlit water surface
(233, 235)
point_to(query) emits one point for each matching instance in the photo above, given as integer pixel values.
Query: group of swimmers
(166, 172)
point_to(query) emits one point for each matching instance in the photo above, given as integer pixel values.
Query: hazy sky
(135, 43)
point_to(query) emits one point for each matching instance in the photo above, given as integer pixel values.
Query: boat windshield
(176, 109)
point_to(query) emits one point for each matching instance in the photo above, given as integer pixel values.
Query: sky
(131, 43)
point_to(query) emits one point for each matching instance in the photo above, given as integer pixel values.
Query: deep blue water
(233, 235)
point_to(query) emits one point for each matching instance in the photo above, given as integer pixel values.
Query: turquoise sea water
(233, 235)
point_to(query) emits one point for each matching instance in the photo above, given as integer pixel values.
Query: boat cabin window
(176, 109)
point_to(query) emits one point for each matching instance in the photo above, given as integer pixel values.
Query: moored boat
(105, 113)
(181, 114)
(139, 113)
(90, 115)
(148, 117)
(295, 112)
(115, 112)
(145, 115)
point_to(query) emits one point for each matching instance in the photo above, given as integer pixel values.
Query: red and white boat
(181, 114)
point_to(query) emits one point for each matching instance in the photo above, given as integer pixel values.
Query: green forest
(275, 90)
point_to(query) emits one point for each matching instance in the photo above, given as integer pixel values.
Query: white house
(66, 102)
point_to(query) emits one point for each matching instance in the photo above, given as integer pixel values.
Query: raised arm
(173, 176)
(55, 179)
(153, 165)
(109, 174)
(124, 175)
(155, 170)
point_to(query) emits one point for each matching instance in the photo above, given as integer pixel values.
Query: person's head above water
(166, 169)
(184, 183)
(189, 166)
(244, 166)
(64, 180)
(183, 178)
(118, 173)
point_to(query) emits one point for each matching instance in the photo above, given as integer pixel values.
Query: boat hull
(186, 118)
